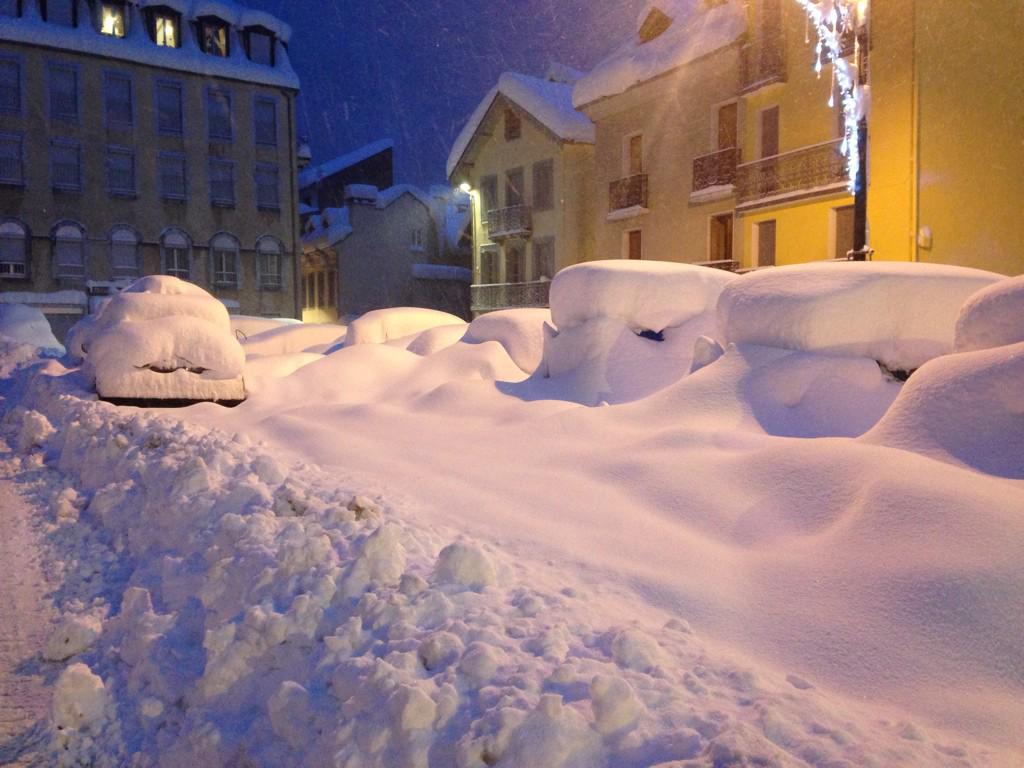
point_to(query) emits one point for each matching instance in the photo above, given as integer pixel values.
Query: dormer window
(165, 27)
(213, 36)
(112, 19)
(259, 43)
(63, 12)
(654, 25)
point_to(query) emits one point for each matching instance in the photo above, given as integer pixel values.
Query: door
(844, 231)
(766, 243)
(634, 244)
(514, 187)
(768, 180)
(728, 133)
(514, 266)
(720, 240)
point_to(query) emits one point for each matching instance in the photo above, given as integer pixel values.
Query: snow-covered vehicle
(162, 341)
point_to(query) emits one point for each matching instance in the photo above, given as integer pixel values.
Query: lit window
(222, 182)
(224, 260)
(165, 28)
(124, 252)
(121, 172)
(260, 45)
(172, 176)
(69, 251)
(267, 187)
(213, 37)
(13, 249)
(176, 254)
(112, 19)
(12, 168)
(66, 165)
(268, 259)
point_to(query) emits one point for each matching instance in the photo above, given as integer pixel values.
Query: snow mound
(250, 325)
(650, 295)
(382, 325)
(22, 324)
(992, 317)
(80, 699)
(289, 339)
(900, 314)
(432, 340)
(163, 338)
(519, 331)
(967, 408)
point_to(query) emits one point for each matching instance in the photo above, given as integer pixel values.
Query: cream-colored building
(137, 139)
(527, 157)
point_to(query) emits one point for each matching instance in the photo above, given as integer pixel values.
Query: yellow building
(792, 198)
(946, 151)
(527, 157)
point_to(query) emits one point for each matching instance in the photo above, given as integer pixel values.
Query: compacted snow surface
(415, 552)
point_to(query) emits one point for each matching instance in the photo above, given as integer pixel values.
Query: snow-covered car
(162, 340)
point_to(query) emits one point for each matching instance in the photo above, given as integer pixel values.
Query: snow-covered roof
(387, 196)
(136, 46)
(334, 224)
(314, 173)
(695, 31)
(550, 103)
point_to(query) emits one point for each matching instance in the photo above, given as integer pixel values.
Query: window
(634, 244)
(265, 119)
(720, 238)
(417, 240)
(488, 194)
(633, 160)
(213, 36)
(10, 8)
(727, 127)
(267, 187)
(544, 185)
(222, 182)
(12, 166)
(769, 132)
(169, 107)
(66, 165)
(124, 252)
(112, 19)
(489, 267)
(13, 250)
(69, 251)
(63, 93)
(543, 259)
(514, 187)
(513, 125)
(10, 86)
(173, 184)
(515, 266)
(62, 12)
(120, 172)
(260, 45)
(765, 234)
(118, 97)
(163, 27)
(268, 263)
(218, 114)
(332, 288)
(224, 260)
(176, 254)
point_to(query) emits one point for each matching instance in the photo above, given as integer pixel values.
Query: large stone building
(527, 157)
(146, 136)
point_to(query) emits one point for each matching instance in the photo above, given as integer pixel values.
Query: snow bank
(519, 331)
(20, 324)
(249, 325)
(966, 408)
(382, 325)
(299, 337)
(992, 317)
(900, 314)
(694, 33)
(432, 340)
(163, 338)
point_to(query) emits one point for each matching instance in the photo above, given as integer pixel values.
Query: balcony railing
(514, 221)
(715, 169)
(486, 298)
(630, 192)
(762, 63)
(801, 170)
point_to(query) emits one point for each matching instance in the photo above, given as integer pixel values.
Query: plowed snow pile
(416, 554)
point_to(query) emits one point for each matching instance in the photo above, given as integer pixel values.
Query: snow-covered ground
(412, 552)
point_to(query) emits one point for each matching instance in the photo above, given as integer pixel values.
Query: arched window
(69, 251)
(13, 250)
(268, 262)
(224, 260)
(176, 254)
(124, 252)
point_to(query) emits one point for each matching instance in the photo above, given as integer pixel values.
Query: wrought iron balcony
(514, 221)
(487, 298)
(762, 62)
(715, 169)
(818, 167)
(630, 192)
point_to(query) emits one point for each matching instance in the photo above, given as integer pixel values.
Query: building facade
(137, 139)
(526, 155)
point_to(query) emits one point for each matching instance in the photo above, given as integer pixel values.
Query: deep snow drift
(434, 558)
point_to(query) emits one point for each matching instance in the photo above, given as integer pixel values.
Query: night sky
(414, 71)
